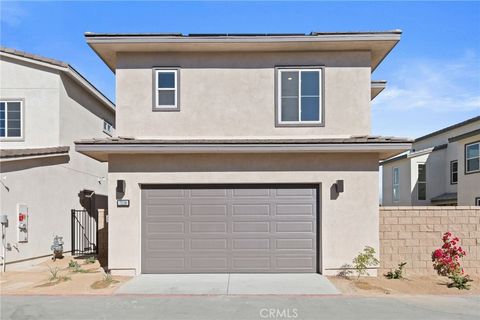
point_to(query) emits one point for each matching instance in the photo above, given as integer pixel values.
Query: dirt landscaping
(57, 278)
(411, 285)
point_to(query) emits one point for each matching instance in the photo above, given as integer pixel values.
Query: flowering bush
(446, 261)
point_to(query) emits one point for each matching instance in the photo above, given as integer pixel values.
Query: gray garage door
(192, 229)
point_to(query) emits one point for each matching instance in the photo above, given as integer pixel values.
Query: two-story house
(242, 152)
(442, 168)
(45, 105)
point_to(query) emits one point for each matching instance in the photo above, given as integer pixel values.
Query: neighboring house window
(166, 89)
(396, 184)
(472, 157)
(299, 100)
(422, 181)
(477, 201)
(107, 128)
(11, 118)
(454, 172)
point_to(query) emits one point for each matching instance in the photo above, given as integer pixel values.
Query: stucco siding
(404, 185)
(233, 94)
(468, 184)
(348, 222)
(38, 88)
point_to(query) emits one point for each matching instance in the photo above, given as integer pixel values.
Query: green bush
(397, 273)
(90, 259)
(364, 260)
(460, 281)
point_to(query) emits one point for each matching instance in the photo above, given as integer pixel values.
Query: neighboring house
(242, 153)
(443, 168)
(44, 106)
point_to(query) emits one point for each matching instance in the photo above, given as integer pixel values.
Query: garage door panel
(251, 210)
(251, 227)
(208, 227)
(229, 229)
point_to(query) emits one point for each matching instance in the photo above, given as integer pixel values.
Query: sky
(433, 74)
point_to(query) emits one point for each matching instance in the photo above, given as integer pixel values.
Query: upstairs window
(422, 182)
(299, 100)
(11, 119)
(454, 172)
(472, 157)
(396, 184)
(107, 128)
(166, 89)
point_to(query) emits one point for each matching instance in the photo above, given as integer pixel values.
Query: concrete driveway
(245, 307)
(229, 284)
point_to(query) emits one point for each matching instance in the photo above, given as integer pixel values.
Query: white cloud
(434, 85)
(11, 13)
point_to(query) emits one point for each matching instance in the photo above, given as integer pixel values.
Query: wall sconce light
(339, 186)
(121, 186)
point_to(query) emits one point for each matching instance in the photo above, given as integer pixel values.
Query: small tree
(446, 261)
(364, 260)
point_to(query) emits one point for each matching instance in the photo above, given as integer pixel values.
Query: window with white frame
(472, 157)
(11, 119)
(166, 89)
(107, 128)
(454, 172)
(299, 100)
(477, 201)
(422, 182)
(396, 184)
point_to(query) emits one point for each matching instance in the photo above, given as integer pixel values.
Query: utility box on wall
(22, 223)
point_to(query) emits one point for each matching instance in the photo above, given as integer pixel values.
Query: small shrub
(460, 281)
(73, 264)
(364, 260)
(446, 261)
(397, 273)
(345, 271)
(90, 260)
(53, 273)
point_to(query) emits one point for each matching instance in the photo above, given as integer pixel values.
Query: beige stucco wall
(349, 222)
(57, 112)
(233, 94)
(39, 89)
(405, 183)
(468, 184)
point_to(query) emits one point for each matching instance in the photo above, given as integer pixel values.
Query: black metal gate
(84, 232)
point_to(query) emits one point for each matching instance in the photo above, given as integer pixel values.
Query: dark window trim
(154, 91)
(451, 172)
(477, 201)
(22, 120)
(465, 158)
(322, 100)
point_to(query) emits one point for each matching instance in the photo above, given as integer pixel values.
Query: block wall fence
(410, 234)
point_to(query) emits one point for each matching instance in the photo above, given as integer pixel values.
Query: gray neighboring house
(242, 153)
(442, 168)
(45, 105)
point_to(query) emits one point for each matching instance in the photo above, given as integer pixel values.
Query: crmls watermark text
(275, 313)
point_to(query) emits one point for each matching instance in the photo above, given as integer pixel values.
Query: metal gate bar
(84, 232)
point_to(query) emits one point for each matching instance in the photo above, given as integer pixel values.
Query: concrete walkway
(229, 284)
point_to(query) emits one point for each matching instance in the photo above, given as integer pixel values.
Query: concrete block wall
(410, 234)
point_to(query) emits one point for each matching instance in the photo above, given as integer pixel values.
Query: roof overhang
(378, 43)
(8, 155)
(101, 151)
(69, 71)
(376, 87)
